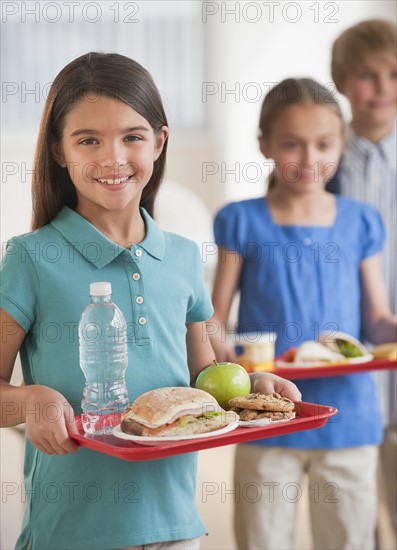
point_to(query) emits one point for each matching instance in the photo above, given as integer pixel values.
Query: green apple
(224, 381)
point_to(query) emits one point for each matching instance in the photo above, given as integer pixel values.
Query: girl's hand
(265, 382)
(49, 417)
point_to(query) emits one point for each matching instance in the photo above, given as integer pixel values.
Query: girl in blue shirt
(306, 261)
(99, 163)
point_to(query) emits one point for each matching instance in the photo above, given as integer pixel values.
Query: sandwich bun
(175, 411)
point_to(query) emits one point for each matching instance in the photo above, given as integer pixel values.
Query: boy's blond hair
(355, 44)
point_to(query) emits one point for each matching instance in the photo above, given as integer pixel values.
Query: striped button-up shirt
(368, 173)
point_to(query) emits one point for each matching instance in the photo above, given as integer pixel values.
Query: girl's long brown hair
(111, 75)
(289, 92)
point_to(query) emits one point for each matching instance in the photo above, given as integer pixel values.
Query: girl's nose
(113, 155)
(308, 157)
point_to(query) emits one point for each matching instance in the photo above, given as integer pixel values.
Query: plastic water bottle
(103, 359)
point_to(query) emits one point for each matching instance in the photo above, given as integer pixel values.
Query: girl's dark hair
(111, 75)
(290, 92)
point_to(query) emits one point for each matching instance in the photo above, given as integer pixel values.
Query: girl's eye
(367, 76)
(290, 145)
(393, 75)
(133, 138)
(87, 141)
(324, 145)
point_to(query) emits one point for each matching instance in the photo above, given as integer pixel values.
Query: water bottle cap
(100, 289)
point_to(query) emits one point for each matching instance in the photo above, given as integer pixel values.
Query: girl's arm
(227, 276)
(199, 350)
(380, 325)
(29, 404)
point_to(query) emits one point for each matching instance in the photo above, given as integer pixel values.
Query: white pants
(388, 464)
(190, 544)
(342, 496)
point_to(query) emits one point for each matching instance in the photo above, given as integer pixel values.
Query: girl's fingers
(70, 421)
(65, 444)
(286, 388)
(60, 439)
(70, 427)
(54, 447)
(44, 446)
(54, 440)
(45, 449)
(269, 383)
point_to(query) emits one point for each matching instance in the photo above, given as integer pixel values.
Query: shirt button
(139, 300)
(138, 252)
(307, 241)
(136, 276)
(142, 320)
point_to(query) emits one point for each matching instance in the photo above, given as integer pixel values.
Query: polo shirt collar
(88, 240)
(359, 146)
(388, 146)
(154, 241)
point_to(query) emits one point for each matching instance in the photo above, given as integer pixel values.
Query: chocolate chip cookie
(258, 402)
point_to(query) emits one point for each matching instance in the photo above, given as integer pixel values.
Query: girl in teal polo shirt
(99, 163)
(306, 262)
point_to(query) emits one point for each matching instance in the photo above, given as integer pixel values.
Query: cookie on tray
(249, 414)
(259, 402)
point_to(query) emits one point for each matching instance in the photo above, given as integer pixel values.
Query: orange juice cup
(258, 350)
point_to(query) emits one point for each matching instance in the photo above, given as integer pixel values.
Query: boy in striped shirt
(364, 69)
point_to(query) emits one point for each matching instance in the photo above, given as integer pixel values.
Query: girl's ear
(57, 153)
(160, 138)
(263, 146)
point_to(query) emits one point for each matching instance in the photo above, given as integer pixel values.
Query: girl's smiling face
(109, 150)
(305, 143)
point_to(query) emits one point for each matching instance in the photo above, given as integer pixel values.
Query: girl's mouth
(114, 181)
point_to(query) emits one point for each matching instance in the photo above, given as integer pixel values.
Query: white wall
(248, 46)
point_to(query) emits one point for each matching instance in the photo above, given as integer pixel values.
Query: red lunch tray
(295, 373)
(308, 416)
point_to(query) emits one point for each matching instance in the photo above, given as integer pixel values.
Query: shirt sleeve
(200, 306)
(230, 228)
(374, 232)
(19, 285)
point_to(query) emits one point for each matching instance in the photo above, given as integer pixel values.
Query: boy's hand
(265, 382)
(49, 417)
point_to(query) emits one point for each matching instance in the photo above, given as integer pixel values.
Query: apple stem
(215, 363)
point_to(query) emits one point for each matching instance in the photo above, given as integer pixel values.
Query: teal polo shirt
(89, 500)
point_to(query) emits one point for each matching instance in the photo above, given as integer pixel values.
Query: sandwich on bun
(175, 411)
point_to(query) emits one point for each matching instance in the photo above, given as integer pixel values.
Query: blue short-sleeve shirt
(89, 500)
(299, 281)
